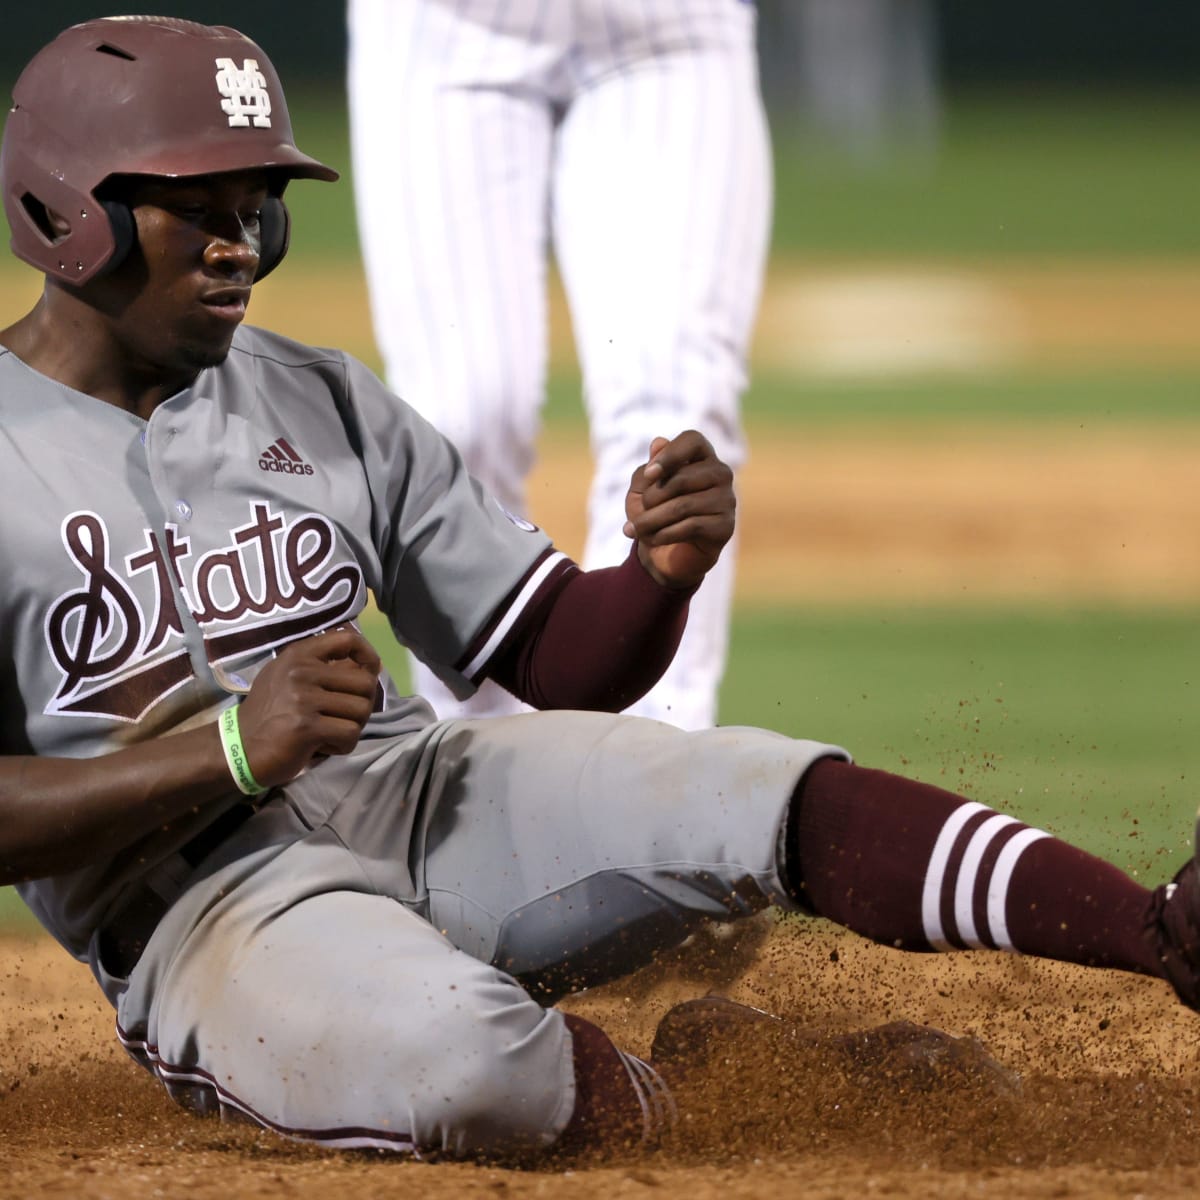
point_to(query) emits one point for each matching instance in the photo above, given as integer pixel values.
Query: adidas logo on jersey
(281, 458)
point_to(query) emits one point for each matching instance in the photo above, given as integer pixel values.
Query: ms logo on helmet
(245, 93)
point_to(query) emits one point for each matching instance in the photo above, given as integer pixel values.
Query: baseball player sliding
(631, 138)
(311, 903)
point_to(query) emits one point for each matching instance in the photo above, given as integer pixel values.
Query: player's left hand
(680, 508)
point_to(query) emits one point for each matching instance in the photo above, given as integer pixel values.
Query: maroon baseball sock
(919, 868)
(619, 1099)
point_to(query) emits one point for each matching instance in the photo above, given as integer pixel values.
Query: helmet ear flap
(124, 233)
(275, 231)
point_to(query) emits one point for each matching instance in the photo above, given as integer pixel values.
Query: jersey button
(184, 509)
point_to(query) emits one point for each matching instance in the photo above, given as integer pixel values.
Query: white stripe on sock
(997, 894)
(968, 872)
(931, 896)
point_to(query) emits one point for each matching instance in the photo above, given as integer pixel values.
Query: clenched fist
(310, 701)
(680, 507)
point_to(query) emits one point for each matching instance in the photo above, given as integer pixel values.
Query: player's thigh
(339, 1015)
(451, 162)
(662, 212)
(593, 840)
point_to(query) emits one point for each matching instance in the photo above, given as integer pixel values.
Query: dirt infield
(980, 515)
(1109, 1070)
(854, 316)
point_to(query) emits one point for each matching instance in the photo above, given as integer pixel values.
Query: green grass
(1074, 174)
(1066, 174)
(323, 223)
(1083, 722)
(14, 916)
(1029, 396)
(1089, 397)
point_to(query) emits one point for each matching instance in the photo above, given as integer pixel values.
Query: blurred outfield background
(972, 549)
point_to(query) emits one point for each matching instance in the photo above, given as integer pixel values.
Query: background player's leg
(451, 154)
(661, 213)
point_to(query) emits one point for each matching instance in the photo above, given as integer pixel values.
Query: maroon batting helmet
(138, 96)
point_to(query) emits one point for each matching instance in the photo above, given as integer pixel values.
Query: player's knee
(499, 1081)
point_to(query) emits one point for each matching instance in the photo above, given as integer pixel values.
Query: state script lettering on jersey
(117, 660)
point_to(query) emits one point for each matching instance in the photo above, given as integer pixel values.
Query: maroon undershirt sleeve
(600, 641)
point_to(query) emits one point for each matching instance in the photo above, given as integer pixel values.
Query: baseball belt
(120, 943)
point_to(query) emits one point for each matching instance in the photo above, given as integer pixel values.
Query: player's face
(184, 291)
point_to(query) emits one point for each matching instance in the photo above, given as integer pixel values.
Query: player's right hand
(310, 701)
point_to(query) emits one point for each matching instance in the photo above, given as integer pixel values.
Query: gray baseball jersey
(357, 964)
(153, 565)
